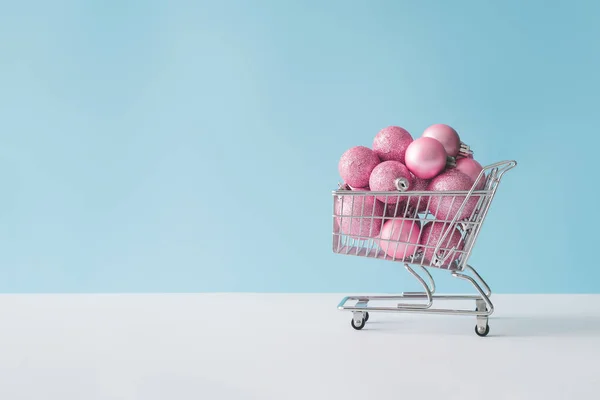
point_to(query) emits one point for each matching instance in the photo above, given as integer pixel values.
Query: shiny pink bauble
(399, 238)
(356, 164)
(383, 179)
(431, 235)
(446, 135)
(390, 143)
(471, 168)
(446, 207)
(426, 157)
(348, 209)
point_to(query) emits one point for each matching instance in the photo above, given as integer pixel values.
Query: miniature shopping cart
(356, 218)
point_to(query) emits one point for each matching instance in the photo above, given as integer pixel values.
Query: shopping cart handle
(502, 166)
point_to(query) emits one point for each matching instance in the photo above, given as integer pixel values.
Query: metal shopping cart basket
(440, 231)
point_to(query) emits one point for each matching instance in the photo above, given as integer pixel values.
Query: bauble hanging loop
(450, 162)
(402, 184)
(465, 151)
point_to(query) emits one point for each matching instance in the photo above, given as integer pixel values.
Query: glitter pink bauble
(446, 207)
(426, 157)
(399, 210)
(383, 179)
(419, 185)
(391, 143)
(446, 135)
(356, 165)
(431, 235)
(471, 168)
(399, 238)
(347, 207)
(396, 210)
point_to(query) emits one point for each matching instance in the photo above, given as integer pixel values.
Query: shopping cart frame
(423, 302)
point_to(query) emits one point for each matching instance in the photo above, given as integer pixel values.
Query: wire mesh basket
(423, 229)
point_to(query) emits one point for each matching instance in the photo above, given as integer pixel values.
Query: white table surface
(270, 346)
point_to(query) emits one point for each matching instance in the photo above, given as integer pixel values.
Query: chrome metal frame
(443, 255)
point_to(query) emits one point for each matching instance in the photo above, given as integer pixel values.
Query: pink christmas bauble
(356, 164)
(431, 235)
(426, 157)
(446, 135)
(390, 143)
(384, 177)
(350, 209)
(395, 210)
(471, 168)
(399, 210)
(446, 207)
(399, 238)
(419, 185)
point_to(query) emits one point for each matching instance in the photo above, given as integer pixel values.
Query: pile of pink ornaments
(436, 161)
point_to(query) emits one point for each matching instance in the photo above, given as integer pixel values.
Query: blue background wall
(192, 145)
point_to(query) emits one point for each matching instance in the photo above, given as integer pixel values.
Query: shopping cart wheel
(366, 316)
(359, 323)
(359, 326)
(484, 332)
